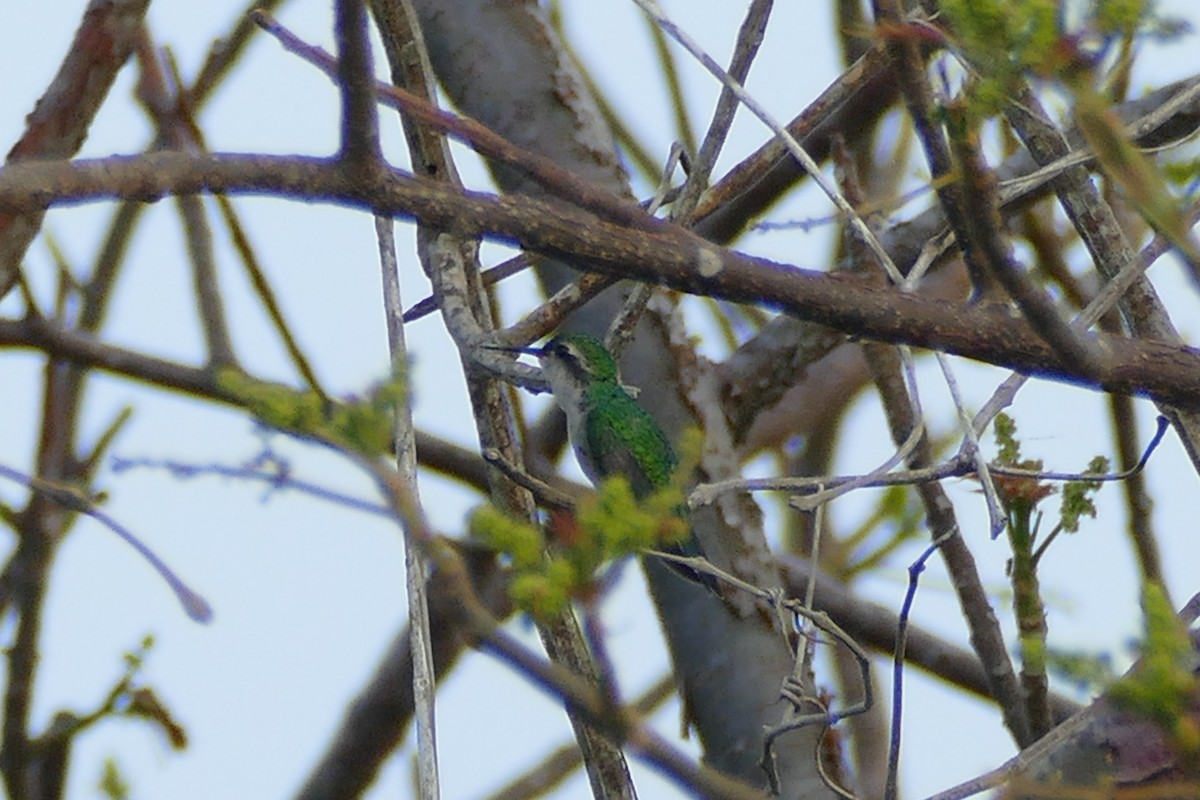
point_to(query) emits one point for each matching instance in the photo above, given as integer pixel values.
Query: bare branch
(60, 122)
(1165, 372)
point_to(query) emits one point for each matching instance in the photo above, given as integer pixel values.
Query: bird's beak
(517, 372)
(529, 351)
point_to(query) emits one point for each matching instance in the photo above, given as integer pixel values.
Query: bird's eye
(571, 357)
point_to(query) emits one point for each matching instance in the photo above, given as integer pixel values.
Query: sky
(307, 596)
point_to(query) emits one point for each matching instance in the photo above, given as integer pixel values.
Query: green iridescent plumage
(622, 439)
(610, 432)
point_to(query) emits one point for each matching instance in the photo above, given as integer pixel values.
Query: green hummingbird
(610, 432)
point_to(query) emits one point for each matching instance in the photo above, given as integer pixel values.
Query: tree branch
(669, 256)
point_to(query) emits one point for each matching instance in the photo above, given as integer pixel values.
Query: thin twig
(749, 39)
(787, 611)
(1144, 366)
(417, 568)
(417, 563)
(1110, 294)
(175, 110)
(58, 124)
(623, 325)
(451, 262)
(204, 281)
(977, 184)
(505, 269)
(914, 571)
(561, 182)
(669, 70)
(972, 450)
(225, 51)
(360, 146)
(793, 146)
(267, 468)
(71, 499)
(546, 494)
(961, 465)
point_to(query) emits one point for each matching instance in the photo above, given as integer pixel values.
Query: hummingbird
(610, 432)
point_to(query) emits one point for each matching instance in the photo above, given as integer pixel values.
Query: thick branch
(666, 255)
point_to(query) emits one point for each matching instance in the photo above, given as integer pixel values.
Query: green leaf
(1162, 686)
(1004, 428)
(1077, 495)
(519, 540)
(365, 426)
(112, 784)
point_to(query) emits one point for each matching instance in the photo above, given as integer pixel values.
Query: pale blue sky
(307, 596)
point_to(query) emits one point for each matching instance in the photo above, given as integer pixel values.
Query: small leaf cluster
(607, 524)
(112, 783)
(1184, 173)
(127, 698)
(365, 426)
(619, 524)
(1021, 495)
(1077, 495)
(1003, 39)
(1007, 39)
(1162, 687)
(520, 541)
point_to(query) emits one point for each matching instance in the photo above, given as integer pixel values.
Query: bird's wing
(624, 440)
